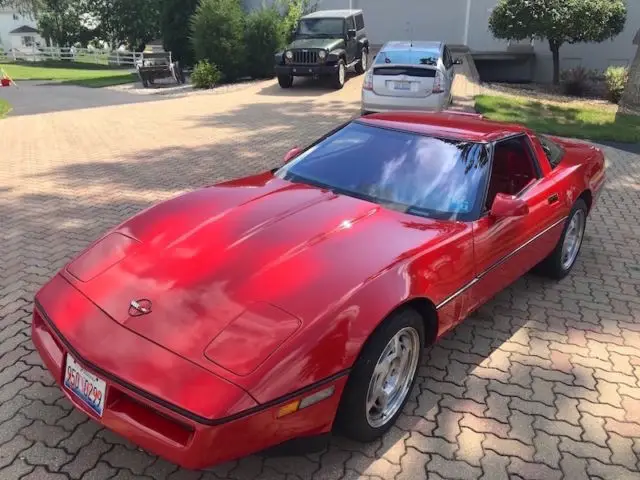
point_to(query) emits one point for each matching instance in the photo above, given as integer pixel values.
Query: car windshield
(318, 27)
(416, 174)
(408, 57)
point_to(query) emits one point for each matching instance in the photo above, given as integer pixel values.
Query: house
(18, 30)
(465, 23)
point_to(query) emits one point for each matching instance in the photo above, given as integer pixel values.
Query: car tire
(363, 64)
(285, 81)
(339, 78)
(359, 417)
(560, 262)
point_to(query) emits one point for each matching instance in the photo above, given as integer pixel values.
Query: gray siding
(420, 19)
(445, 20)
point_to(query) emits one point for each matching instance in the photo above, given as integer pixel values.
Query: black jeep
(326, 43)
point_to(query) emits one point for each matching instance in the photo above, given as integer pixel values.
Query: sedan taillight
(438, 83)
(368, 81)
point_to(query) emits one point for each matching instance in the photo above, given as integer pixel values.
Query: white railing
(84, 55)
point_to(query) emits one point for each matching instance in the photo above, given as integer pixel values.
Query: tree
(134, 22)
(559, 22)
(175, 23)
(263, 37)
(292, 11)
(60, 21)
(218, 35)
(26, 6)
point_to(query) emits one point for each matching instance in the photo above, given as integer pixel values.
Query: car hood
(325, 43)
(246, 263)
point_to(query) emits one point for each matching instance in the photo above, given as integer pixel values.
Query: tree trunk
(554, 46)
(631, 97)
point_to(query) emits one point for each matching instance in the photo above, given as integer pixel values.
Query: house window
(28, 41)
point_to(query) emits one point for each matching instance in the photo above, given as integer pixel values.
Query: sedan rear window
(413, 173)
(408, 57)
(409, 71)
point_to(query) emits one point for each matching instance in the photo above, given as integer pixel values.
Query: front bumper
(306, 70)
(168, 405)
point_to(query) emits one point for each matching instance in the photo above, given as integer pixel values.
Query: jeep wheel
(285, 81)
(340, 75)
(363, 64)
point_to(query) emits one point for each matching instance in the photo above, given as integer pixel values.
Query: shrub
(205, 75)
(218, 35)
(263, 37)
(575, 81)
(293, 10)
(616, 79)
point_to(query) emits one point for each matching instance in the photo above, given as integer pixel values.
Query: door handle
(553, 199)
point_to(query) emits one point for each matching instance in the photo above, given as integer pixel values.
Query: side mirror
(508, 206)
(457, 61)
(291, 154)
(351, 33)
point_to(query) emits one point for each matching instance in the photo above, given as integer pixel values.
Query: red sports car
(288, 304)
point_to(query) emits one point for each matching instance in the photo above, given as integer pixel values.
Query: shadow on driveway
(305, 86)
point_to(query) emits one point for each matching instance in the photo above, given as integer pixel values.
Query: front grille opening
(148, 418)
(305, 57)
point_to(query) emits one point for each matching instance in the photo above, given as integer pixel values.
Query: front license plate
(402, 85)
(90, 389)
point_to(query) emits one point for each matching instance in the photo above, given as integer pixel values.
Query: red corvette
(283, 305)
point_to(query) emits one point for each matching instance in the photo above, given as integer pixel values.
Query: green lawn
(567, 121)
(84, 74)
(5, 108)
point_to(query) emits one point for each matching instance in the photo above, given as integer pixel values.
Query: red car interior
(512, 170)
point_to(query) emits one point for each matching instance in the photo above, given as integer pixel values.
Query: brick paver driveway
(542, 383)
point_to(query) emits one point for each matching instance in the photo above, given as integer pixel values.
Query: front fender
(329, 344)
(336, 55)
(363, 42)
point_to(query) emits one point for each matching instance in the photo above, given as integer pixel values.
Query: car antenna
(410, 34)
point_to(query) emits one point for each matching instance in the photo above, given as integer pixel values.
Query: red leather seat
(512, 171)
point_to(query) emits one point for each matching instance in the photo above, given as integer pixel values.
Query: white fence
(85, 55)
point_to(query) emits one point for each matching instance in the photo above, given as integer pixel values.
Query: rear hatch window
(408, 57)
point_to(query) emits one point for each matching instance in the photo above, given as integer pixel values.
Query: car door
(352, 41)
(506, 248)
